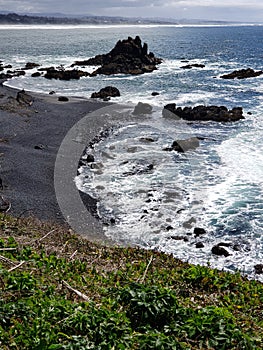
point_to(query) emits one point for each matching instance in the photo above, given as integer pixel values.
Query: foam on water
(158, 206)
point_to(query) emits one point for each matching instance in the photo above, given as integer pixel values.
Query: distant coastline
(25, 19)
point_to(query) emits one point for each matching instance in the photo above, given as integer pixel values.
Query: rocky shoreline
(29, 119)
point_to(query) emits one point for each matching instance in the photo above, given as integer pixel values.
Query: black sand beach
(30, 136)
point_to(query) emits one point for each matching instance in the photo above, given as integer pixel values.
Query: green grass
(60, 291)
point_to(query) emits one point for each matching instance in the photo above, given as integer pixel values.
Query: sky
(230, 10)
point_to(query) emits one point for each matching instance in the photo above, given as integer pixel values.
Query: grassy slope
(69, 293)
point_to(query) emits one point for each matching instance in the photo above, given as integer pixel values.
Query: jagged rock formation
(203, 113)
(108, 91)
(242, 74)
(127, 57)
(62, 74)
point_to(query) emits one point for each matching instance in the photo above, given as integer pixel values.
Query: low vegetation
(60, 291)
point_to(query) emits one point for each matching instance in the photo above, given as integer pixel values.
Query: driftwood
(71, 289)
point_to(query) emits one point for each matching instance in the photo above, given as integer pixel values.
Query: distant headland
(60, 19)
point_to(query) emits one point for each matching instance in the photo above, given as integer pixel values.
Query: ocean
(218, 186)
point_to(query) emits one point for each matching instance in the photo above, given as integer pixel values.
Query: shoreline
(30, 139)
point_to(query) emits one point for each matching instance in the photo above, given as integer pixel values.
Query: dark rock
(24, 98)
(147, 139)
(90, 203)
(40, 146)
(63, 99)
(36, 74)
(139, 169)
(101, 136)
(52, 92)
(127, 57)
(1, 184)
(90, 158)
(108, 91)
(169, 228)
(86, 159)
(62, 74)
(183, 145)
(155, 93)
(19, 73)
(31, 65)
(142, 108)
(4, 205)
(198, 231)
(258, 269)
(194, 65)
(5, 76)
(203, 113)
(220, 250)
(242, 74)
(179, 238)
(199, 245)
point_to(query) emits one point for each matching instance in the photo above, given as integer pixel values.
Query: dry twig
(81, 295)
(147, 268)
(7, 261)
(7, 249)
(45, 236)
(16, 267)
(72, 256)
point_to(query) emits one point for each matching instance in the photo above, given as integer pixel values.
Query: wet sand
(30, 137)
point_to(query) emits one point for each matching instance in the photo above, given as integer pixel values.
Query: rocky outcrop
(62, 74)
(182, 146)
(193, 65)
(142, 108)
(63, 99)
(199, 231)
(108, 91)
(220, 250)
(203, 113)
(258, 269)
(24, 98)
(242, 74)
(36, 74)
(31, 65)
(127, 57)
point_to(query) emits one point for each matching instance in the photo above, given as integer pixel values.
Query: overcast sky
(236, 10)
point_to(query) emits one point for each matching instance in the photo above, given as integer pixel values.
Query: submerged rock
(127, 57)
(203, 113)
(142, 108)
(184, 145)
(242, 74)
(193, 65)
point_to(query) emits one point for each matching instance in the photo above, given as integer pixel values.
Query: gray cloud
(246, 10)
